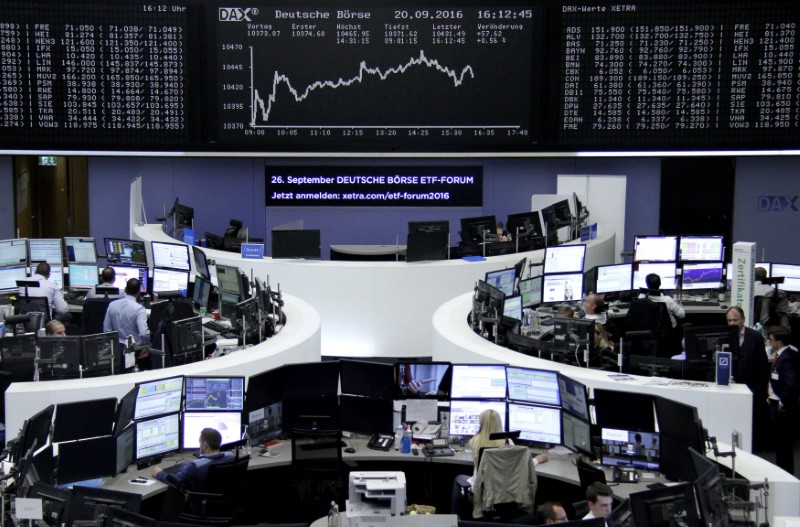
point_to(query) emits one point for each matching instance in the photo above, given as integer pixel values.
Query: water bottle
(398, 436)
(405, 445)
(333, 515)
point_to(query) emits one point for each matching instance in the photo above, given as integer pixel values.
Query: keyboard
(701, 303)
(75, 300)
(217, 326)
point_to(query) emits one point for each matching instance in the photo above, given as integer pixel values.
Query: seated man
(594, 307)
(107, 278)
(55, 328)
(49, 290)
(193, 473)
(550, 512)
(674, 309)
(598, 496)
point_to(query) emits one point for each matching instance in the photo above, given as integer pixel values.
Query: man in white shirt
(674, 309)
(598, 495)
(594, 307)
(107, 276)
(49, 290)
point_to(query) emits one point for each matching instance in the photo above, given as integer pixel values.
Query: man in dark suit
(751, 367)
(784, 390)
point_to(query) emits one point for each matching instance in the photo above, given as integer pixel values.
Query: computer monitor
(531, 291)
(266, 423)
(465, 415)
(366, 378)
(161, 396)
(701, 276)
(36, 431)
(709, 489)
(524, 225)
(125, 252)
(91, 503)
(614, 278)
(185, 339)
(528, 385)
(123, 518)
(701, 342)
(427, 246)
(301, 243)
(365, 415)
(564, 259)
(503, 279)
(681, 430)
(228, 424)
(478, 381)
(59, 358)
(10, 275)
(156, 436)
(201, 262)
(228, 279)
(264, 389)
(45, 250)
(247, 318)
(422, 380)
(475, 230)
(83, 276)
(791, 274)
(98, 352)
(562, 287)
(655, 248)
(84, 419)
(182, 215)
(18, 355)
(428, 227)
(297, 377)
(577, 433)
(512, 307)
(573, 397)
(214, 393)
(87, 459)
(624, 410)
(124, 414)
(667, 271)
(171, 256)
(630, 448)
(563, 214)
(201, 292)
(538, 424)
(665, 507)
(80, 250)
(700, 249)
(125, 273)
(56, 274)
(573, 334)
(170, 280)
(54, 501)
(227, 305)
(13, 252)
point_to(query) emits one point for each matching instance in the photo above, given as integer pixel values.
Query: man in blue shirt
(193, 473)
(129, 318)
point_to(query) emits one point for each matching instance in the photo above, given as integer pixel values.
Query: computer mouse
(350, 450)
(263, 451)
(723, 306)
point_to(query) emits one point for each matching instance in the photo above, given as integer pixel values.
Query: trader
(594, 307)
(55, 328)
(550, 512)
(107, 278)
(674, 309)
(598, 496)
(192, 474)
(49, 290)
(784, 388)
(129, 318)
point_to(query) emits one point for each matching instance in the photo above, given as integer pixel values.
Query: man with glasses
(550, 512)
(784, 389)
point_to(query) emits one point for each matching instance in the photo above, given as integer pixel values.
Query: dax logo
(236, 14)
(777, 203)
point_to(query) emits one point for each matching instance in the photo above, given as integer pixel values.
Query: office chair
(94, 313)
(233, 229)
(505, 484)
(316, 471)
(648, 328)
(219, 502)
(33, 304)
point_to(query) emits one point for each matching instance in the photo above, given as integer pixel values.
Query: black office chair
(648, 328)
(33, 304)
(505, 484)
(316, 471)
(94, 313)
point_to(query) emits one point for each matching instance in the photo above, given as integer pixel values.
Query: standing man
(784, 389)
(598, 495)
(129, 318)
(50, 291)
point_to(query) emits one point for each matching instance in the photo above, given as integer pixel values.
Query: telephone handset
(381, 442)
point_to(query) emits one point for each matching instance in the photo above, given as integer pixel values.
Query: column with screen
(157, 413)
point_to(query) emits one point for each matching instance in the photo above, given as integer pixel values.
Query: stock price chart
(375, 77)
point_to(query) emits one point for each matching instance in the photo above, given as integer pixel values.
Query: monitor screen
(125, 445)
(427, 227)
(563, 214)
(700, 249)
(301, 243)
(630, 448)
(97, 355)
(124, 414)
(90, 503)
(666, 506)
(182, 215)
(228, 424)
(45, 251)
(228, 279)
(476, 229)
(538, 424)
(573, 397)
(426, 247)
(227, 305)
(667, 271)
(266, 423)
(624, 410)
(84, 419)
(37, 429)
(185, 338)
(214, 393)
(157, 436)
(56, 275)
(701, 342)
(297, 379)
(577, 433)
(562, 287)
(263, 389)
(700, 276)
(512, 307)
(573, 334)
(170, 280)
(91, 458)
(655, 248)
(504, 280)
(365, 415)
(83, 276)
(10, 275)
(123, 274)
(465, 415)
(366, 378)
(126, 252)
(59, 357)
(171, 256)
(157, 397)
(18, 355)
(532, 386)
(429, 380)
(531, 291)
(201, 292)
(201, 263)
(614, 278)
(80, 250)
(478, 381)
(564, 259)
(524, 225)
(791, 274)
(13, 252)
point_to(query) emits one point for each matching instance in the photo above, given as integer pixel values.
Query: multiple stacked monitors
(171, 256)
(125, 252)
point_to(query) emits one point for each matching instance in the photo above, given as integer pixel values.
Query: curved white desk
(298, 341)
(722, 409)
(379, 308)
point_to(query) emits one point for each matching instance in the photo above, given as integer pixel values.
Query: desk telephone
(437, 447)
(381, 442)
